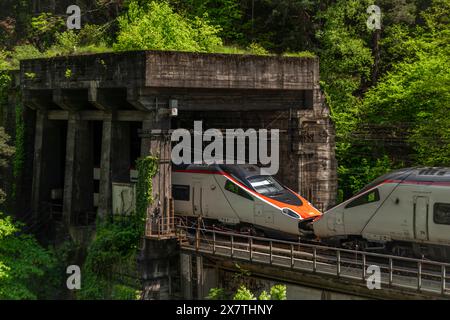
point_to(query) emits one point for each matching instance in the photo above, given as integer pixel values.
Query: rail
(160, 227)
(405, 273)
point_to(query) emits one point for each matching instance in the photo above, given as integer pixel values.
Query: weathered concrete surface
(159, 264)
(200, 70)
(139, 86)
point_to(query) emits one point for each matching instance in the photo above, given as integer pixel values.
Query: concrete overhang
(146, 76)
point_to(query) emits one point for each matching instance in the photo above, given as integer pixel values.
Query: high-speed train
(406, 212)
(241, 197)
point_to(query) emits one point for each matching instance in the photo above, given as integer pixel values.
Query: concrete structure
(88, 110)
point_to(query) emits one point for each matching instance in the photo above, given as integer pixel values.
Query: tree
(6, 151)
(227, 14)
(157, 26)
(414, 97)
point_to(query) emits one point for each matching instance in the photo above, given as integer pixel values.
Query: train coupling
(305, 227)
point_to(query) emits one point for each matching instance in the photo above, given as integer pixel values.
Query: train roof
(432, 174)
(241, 170)
(415, 174)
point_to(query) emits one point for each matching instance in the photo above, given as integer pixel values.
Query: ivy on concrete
(147, 168)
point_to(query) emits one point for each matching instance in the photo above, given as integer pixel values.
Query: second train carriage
(406, 211)
(239, 196)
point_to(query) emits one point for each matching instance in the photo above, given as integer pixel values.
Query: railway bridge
(211, 259)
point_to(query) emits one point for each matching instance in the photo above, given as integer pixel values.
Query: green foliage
(6, 151)
(264, 296)
(301, 54)
(224, 13)
(25, 267)
(277, 292)
(114, 250)
(123, 292)
(68, 73)
(356, 173)
(257, 49)
(111, 253)
(90, 39)
(217, 294)
(44, 27)
(156, 26)
(147, 168)
(243, 294)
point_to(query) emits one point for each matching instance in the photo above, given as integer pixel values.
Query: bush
(157, 27)
(26, 268)
(277, 292)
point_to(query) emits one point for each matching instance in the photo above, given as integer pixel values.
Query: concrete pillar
(47, 169)
(115, 160)
(317, 177)
(186, 276)
(79, 180)
(158, 263)
(105, 189)
(41, 124)
(159, 145)
(200, 278)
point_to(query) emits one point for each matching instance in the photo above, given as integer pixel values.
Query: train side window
(372, 196)
(180, 192)
(441, 213)
(232, 187)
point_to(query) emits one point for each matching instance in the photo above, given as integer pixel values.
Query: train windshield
(265, 185)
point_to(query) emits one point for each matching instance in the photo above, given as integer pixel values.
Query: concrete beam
(37, 99)
(70, 100)
(120, 115)
(134, 98)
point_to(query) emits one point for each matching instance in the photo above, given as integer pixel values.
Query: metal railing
(160, 227)
(395, 272)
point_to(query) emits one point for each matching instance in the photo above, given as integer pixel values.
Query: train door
(197, 198)
(421, 206)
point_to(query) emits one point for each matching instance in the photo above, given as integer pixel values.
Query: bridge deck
(413, 277)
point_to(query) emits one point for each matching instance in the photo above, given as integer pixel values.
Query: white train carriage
(406, 211)
(238, 196)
